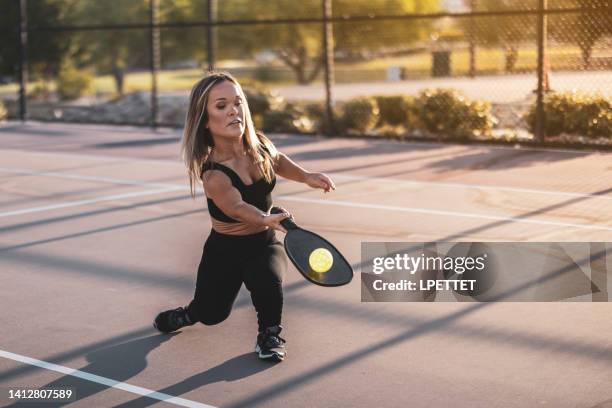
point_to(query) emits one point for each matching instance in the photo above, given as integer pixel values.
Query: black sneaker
(172, 320)
(271, 346)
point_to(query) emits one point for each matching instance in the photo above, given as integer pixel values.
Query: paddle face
(300, 244)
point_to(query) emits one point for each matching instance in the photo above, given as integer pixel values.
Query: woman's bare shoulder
(215, 181)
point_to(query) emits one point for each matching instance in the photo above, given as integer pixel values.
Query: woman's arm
(288, 169)
(220, 189)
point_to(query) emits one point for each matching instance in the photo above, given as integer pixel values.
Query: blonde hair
(198, 142)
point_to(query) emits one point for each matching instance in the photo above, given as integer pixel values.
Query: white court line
(319, 201)
(470, 186)
(174, 187)
(104, 381)
(440, 212)
(111, 128)
(86, 178)
(90, 201)
(492, 147)
(98, 158)
(326, 202)
(338, 175)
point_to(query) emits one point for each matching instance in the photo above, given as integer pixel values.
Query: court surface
(98, 233)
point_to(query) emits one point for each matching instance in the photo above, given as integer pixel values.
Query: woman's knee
(210, 319)
(208, 314)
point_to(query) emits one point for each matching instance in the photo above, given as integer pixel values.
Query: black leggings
(258, 260)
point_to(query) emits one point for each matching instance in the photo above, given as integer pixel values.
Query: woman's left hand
(320, 180)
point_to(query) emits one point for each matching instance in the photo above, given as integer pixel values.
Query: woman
(237, 167)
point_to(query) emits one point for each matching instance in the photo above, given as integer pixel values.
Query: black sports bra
(257, 194)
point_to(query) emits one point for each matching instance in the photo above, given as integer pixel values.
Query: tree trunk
(472, 51)
(511, 58)
(586, 50)
(300, 75)
(117, 68)
(315, 70)
(471, 34)
(298, 61)
(118, 75)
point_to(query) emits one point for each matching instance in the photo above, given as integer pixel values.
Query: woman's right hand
(274, 221)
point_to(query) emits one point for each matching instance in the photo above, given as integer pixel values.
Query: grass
(135, 81)
(488, 61)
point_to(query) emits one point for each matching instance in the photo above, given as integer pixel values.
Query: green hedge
(444, 113)
(73, 83)
(449, 114)
(360, 114)
(3, 111)
(574, 113)
(395, 110)
(291, 119)
(315, 112)
(262, 100)
(272, 113)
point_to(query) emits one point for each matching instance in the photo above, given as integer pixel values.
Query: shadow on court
(138, 142)
(32, 131)
(118, 362)
(486, 158)
(233, 369)
(346, 152)
(85, 214)
(501, 159)
(418, 330)
(133, 351)
(123, 361)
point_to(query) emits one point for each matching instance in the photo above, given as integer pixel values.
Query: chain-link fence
(518, 69)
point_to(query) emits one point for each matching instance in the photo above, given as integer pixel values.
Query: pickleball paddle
(313, 256)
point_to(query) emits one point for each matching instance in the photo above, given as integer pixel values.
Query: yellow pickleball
(321, 260)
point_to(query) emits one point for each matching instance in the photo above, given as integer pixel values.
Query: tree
(507, 31)
(471, 34)
(299, 46)
(109, 51)
(584, 28)
(182, 43)
(45, 50)
(115, 51)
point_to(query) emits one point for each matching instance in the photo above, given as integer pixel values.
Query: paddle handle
(288, 223)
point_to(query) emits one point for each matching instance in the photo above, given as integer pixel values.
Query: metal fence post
(540, 128)
(599, 275)
(23, 58)
(211, 35)
(472, 42)
(155, 57)
(328, 64)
